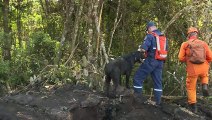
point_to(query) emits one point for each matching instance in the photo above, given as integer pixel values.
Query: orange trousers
(191, 82)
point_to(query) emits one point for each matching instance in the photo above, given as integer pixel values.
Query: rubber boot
(138, 98)
(205, 90)
(157, 95)
(193, 107)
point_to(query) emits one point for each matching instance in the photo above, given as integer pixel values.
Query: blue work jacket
(149, 44)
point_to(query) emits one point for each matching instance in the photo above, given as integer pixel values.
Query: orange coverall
(194, 70)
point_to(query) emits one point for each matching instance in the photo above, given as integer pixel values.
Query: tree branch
(116, 22)
(177, 15)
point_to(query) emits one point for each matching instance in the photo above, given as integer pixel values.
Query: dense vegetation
(69, 41)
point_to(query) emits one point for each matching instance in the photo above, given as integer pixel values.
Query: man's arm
(182, 53)
(147, 42)
(208, 53)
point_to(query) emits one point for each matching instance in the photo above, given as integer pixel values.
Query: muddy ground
(77, 102)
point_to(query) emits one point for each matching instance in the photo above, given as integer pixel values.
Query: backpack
(197, 53)
(161, 44)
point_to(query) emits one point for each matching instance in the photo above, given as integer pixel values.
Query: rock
(20, 99)
(184, 114)
(60, 114)
(88, 113)
(91, 101)
(80, 103)
(120, 89)
(128, 92)
(6, 114)
(73, 106)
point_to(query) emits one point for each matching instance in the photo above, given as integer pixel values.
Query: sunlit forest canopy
(70, 41)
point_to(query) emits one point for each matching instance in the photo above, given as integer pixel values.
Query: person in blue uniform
(151, 66)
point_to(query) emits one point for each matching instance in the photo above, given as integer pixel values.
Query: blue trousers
(154, 68)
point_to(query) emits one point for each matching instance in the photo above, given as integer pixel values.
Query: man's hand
(141, 50)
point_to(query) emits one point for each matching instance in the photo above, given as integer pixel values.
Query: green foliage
(29, 60)
(1, 38)
(20, 70)
(174, 77)
(60, 75)
(42, 46)
(42, 23)
(5, 40)
(4, 70)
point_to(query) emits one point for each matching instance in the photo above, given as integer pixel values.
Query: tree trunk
(195, 10)
(207, 13)
(116, 22)
(69, 11)
(44, 10)
(76, 26)
(104, 51)
(123, 29)
(47, 6)
(90, 31)
(19, 23)
(27, 39)
(100, 37)
(98, 27)
(176, 16)
(7, 39)
(7, 43)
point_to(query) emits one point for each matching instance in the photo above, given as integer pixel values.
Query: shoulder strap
(192, 40)
(195, 40)
(158, 41)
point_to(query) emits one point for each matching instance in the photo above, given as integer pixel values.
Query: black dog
(121, 66)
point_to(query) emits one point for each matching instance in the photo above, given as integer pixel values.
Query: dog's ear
(142, 54)
(138, 54)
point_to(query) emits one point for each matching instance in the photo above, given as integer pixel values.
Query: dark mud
(73, 102)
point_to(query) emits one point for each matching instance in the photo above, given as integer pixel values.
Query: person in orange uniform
(195, 70)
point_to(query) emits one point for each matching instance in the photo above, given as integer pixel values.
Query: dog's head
(139, 56)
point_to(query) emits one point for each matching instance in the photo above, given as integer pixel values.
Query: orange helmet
(192, 29)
